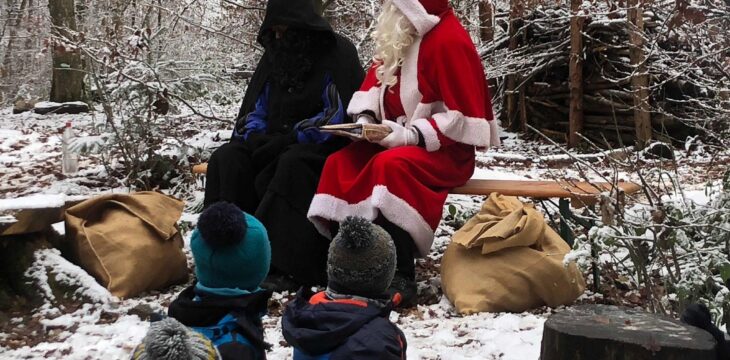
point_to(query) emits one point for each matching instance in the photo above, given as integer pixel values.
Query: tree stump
(598, 332)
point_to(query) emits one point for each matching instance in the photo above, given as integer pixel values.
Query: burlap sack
(506, 258)
(129, 243)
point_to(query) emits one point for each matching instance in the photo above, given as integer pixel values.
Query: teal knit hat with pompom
(231, 248)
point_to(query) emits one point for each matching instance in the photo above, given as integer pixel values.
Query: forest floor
(90, 323)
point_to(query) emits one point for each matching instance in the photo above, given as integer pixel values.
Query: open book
(369, 132)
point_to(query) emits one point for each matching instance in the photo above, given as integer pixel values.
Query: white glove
(400, 135)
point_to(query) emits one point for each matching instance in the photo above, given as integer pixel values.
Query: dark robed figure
(272, 164)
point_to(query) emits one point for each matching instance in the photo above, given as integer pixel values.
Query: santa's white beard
(394, 34)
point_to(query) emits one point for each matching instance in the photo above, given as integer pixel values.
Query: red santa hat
(423, 14)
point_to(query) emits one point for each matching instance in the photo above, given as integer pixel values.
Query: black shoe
(407, 289)
(280, 283)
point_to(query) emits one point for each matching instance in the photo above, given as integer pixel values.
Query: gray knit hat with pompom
(361, 259)
(168, 339)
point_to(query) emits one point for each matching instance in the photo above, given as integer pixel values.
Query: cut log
(74, 107)
(603, 332)
(22, 106)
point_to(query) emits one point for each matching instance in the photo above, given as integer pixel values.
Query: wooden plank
(200, 169)
(583, 192)
(33, 220)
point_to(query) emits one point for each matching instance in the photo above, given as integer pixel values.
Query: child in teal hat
(232, 257)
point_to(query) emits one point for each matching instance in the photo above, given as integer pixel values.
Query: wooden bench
(31, 220)
(575, 193)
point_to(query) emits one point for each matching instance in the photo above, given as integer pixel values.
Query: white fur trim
(365, 101)
(464, 129)
(429, 134)
(410, 96)
(325, 208)
(417, 15)
(425, 111)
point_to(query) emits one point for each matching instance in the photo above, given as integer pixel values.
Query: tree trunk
(602, 332)
(68, 76)
(486, 21)
(640, 77)
(118, 9)
(14, 19)
(576, 73)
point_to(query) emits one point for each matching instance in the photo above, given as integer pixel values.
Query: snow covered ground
(104, 327)
(96, 325)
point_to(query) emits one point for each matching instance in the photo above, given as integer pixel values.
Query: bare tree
(68, 76)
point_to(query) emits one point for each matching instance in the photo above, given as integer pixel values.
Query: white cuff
(365, 119)
(430, 137)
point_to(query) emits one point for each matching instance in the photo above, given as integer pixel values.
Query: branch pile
(688, 60)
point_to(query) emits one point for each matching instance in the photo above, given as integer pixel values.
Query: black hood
(318, 329)
(296, 14)
(208, 310)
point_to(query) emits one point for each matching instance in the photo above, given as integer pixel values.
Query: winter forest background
(165, 78)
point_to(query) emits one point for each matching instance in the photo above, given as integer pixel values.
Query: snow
(89, 340)
(47, 104)
(433, 332)
(479, 336)
(102, 325)
(699, 197)
(446, 335)
(51, 104)
(67, 273)
(37, 201)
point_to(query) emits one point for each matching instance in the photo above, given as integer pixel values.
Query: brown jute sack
(129, 243)
(506, 258)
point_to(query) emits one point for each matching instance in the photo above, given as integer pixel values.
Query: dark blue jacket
(320, 328)
(307, 131)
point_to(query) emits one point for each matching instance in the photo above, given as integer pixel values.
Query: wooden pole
(486, 21)
(640, 76)
(576, 73)
(523, 110)
(515, 16)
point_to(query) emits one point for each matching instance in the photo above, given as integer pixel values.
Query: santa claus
(428, 85)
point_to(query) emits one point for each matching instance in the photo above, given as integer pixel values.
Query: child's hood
(320, 328)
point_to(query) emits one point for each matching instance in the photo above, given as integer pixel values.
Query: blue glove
(333, 113)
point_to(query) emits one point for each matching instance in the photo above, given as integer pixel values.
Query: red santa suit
(443, 93)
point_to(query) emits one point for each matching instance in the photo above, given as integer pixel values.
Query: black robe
(271, 175)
